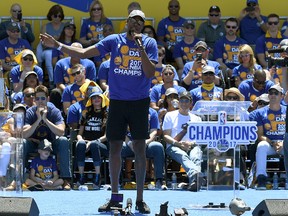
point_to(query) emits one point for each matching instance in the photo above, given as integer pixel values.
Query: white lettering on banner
(127, 72)
(223, 135)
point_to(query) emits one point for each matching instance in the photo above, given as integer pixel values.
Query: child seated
(43, 170)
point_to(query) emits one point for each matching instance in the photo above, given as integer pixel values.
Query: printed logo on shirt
(175, 34)
(129, 62)
(231, 55)
(276, 126)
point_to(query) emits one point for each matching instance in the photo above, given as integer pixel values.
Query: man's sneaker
(196, 185)
(66, 185)
(261, 182)
(142, 207)
(110, 206)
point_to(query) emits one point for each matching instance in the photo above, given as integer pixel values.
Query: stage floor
(87, 202)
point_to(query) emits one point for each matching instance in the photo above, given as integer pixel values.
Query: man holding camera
(192, 71)
(25, 28)
(252, 23)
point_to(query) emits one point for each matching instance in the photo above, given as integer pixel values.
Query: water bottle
(83, 188)
(174, 181)
(275, 181)
(175, 103)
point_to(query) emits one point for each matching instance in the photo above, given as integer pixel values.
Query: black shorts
(128, 113)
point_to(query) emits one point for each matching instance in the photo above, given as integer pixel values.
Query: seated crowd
(66, 114)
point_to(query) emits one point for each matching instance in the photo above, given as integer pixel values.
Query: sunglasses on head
(273, 23)
(76, 73)
(96, 9)
(29, 95)
(263, 103)
(28, 58)
(229, 27)
(274, 93)
(214, 15)
(57, 16)
(40, 98)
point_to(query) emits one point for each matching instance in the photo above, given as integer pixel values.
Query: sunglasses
(16, 11)
(57, 16)
(273, 23)
(161, 54)
(209, 74)
(200, 50)
(229, 27)
(274, 93)
(76, 73)
(251, 4)
(232, 98)
(173, 6)
(40, 98)
(96, 9)
(259, 82)
(263, 103)
(244, 55)
(28, 59)
(214, 15)
(15, 31)
(134, 21)
(29, 95)
(189, 27)
(170, 74)
(184, 101)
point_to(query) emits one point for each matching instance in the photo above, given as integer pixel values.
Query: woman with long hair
(91, 136)
(247, 65)
(92, 28)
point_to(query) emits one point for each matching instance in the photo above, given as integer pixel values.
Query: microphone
(137, 40)
(129, 206)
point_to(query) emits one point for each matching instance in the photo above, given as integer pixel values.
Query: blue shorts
(128, 113)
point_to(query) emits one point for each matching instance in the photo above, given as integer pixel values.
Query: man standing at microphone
(133, 59)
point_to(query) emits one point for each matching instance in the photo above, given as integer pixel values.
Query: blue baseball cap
(252, 1)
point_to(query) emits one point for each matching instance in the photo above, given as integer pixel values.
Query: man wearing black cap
(183, 50)
(132, 65)
(14, 43)
(211, 30)
(181, 148)
(192, 72)
(252, 23)
(16, 17)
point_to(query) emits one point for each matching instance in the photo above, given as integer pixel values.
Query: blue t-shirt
(158, 92)
(273, 122)
(197, 80)
(185, 51)
(72, 93)
(250, 93)
(127, 80)
(171, 31)
(250, 29)
(44, 168)
(103, 72)
(15, 73)
(63, 67)
(42, 131)
(9, 51)
(75, 112)
(91, 29)
(228, 51)
(200, 93)
(265, 42)
(244, 73)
